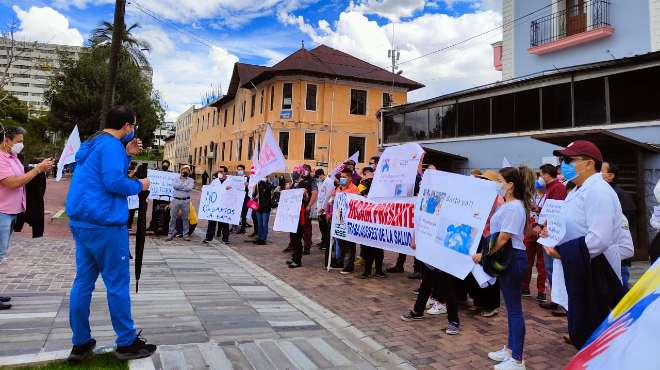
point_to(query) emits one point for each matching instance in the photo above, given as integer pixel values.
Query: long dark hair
(522, 179)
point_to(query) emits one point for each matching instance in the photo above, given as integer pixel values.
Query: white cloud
(460, 67)
(159, 41)
(47, 25)
(393, 10)
(80, 4)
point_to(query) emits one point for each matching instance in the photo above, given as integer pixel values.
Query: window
(589, 100)
(503, 113)
(356, 144)
(239, 149)
(557, 106)
(231, 149)
(225, 121)
(310, 100)
(392, 128)
(633, 98)
(466, 118)
(253, 103)
(233, 115)
(250, 147)
(287, 90)
(387, 99)
(243, 110)
(261, 102)
(442, 122)
(272, 96)
(284, 143)
(224, 147)
(358, 102)
(416, 125)
(310, 145)
(527, 110)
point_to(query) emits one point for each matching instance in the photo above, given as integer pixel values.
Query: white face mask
(17, 148)
(501, 190)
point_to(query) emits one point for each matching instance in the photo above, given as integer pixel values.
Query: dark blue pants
(510, 282)
(101, 250)
(262, 225)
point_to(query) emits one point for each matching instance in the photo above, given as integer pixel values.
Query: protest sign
(559, 293)
(288, 210)
(551, 213)
(161, 183)
(133, 202)
(270, 158)
(396, 172)
(219, 204)
(450, 214)
(68, 155)
(235, 182)
(385, 223)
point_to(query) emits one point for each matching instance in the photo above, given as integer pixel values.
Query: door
(576, 17)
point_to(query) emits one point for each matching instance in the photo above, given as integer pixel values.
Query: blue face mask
(343, 181)
(128, 138)
(539, 184)
(568, 170)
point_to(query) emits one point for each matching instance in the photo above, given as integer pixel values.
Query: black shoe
(394, 269)
(380, 275)
(365, 276)
(287, 249)
(541, 297)
(559, 312)
(4, 306)
(5, 299)
(548, 305)
(205, 241)
(139, 349)
(225, 241)
(260, 242)
(526, 293)
(82, 352)
(414, 275)
(412, 316)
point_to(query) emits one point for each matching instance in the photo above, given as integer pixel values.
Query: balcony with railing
(580, 22)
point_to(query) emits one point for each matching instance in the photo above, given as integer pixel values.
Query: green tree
(102, 39)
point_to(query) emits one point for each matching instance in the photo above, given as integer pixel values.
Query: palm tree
(134, 47)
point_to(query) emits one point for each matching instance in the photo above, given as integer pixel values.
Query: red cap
(578, 148)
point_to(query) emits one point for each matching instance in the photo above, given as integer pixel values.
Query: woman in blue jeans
(510, 221)
(264, 192)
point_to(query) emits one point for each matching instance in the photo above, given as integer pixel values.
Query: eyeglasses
(568, 160)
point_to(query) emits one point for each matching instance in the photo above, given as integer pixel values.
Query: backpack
(495, 263)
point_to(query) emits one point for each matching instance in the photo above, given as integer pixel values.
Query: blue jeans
(262, 222)
(101, 250)
(6, 229)
(510, 281)
(625, 276)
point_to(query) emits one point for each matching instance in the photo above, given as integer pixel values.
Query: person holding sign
(182, 187)
(223, 227)
(593, 244)
(510, 221)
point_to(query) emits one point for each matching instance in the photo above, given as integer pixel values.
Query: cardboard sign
(288, 210)
(450, 214)
(161, 183)
(551, 213)
(222, 205)
(385, 223)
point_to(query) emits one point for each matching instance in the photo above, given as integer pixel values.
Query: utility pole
(115, 50)
(394, 55)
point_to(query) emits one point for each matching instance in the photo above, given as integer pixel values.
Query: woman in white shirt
(509, 221)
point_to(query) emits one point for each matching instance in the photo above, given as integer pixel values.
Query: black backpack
(495, 263)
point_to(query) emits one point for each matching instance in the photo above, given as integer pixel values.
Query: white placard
(235, 182)
(559, 293)
(133, 202)
(161, 183)
(288, 210)
(396, 172)
(219, 204)
(450, 214)
(556, 224)
(325, 188)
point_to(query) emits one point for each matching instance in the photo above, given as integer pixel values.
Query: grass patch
(102, 361)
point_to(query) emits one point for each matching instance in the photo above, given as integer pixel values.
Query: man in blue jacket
(97, 209)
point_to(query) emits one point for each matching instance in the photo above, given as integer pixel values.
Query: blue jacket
(100, 185)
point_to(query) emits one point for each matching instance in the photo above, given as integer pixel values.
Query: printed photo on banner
(161, 183)
(396, 171)
(551, 216)
(386, 223)
(288, 210)
(219, 204)
(451, 214)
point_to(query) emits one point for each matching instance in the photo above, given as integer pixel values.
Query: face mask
(568, 171)
(501, 191)
(185, 174)
(540, 183)
(221, 175)
(306, 173)
(295, 176)
(343, 181)
(165, 168)
(128, 138)
(17, 148)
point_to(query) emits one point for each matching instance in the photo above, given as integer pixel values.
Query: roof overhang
(439, 153)
(604, 140)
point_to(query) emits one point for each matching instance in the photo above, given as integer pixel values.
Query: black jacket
(34, 206)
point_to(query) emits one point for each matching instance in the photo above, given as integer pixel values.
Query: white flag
(69, 153)
(340, 166)
(270, 159)
(506, 163)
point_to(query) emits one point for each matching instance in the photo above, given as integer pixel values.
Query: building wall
(182, 137)
(204, 130)
(632, 36)
(169, 151)
(331, 122)
(508, 40)
(654, 13)
(32, 69)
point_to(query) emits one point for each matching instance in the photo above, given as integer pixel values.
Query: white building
(183, 135)
(161, 133)
(31, 69)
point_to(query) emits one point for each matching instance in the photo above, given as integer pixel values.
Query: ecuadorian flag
(630, 336)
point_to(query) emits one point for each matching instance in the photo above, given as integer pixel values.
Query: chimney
(497, 55)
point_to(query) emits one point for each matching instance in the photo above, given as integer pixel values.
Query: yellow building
(322, 105)
(169, 150)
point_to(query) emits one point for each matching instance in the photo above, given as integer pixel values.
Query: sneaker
(289, 262)
(452, 329)
(4, 306)
(548, 305)
(526, 293)
(205, 241)
(490, 313)
(186, 238)
(430, 302)
(82, 352)
(541, 297)
(394, 269)
(293, 265)
(437, 309)
(510, 364)
(501, 355)
(139, 349)
(346, 272)
(260, 242)
(169, 238)
(5, 299)
(415, 275)
(380, 275)
(412, 316)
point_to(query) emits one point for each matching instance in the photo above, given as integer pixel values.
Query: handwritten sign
(161, 183)
(222, 205)
(551, 213)
(235, 182)
(288, 210)
(133, 202)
